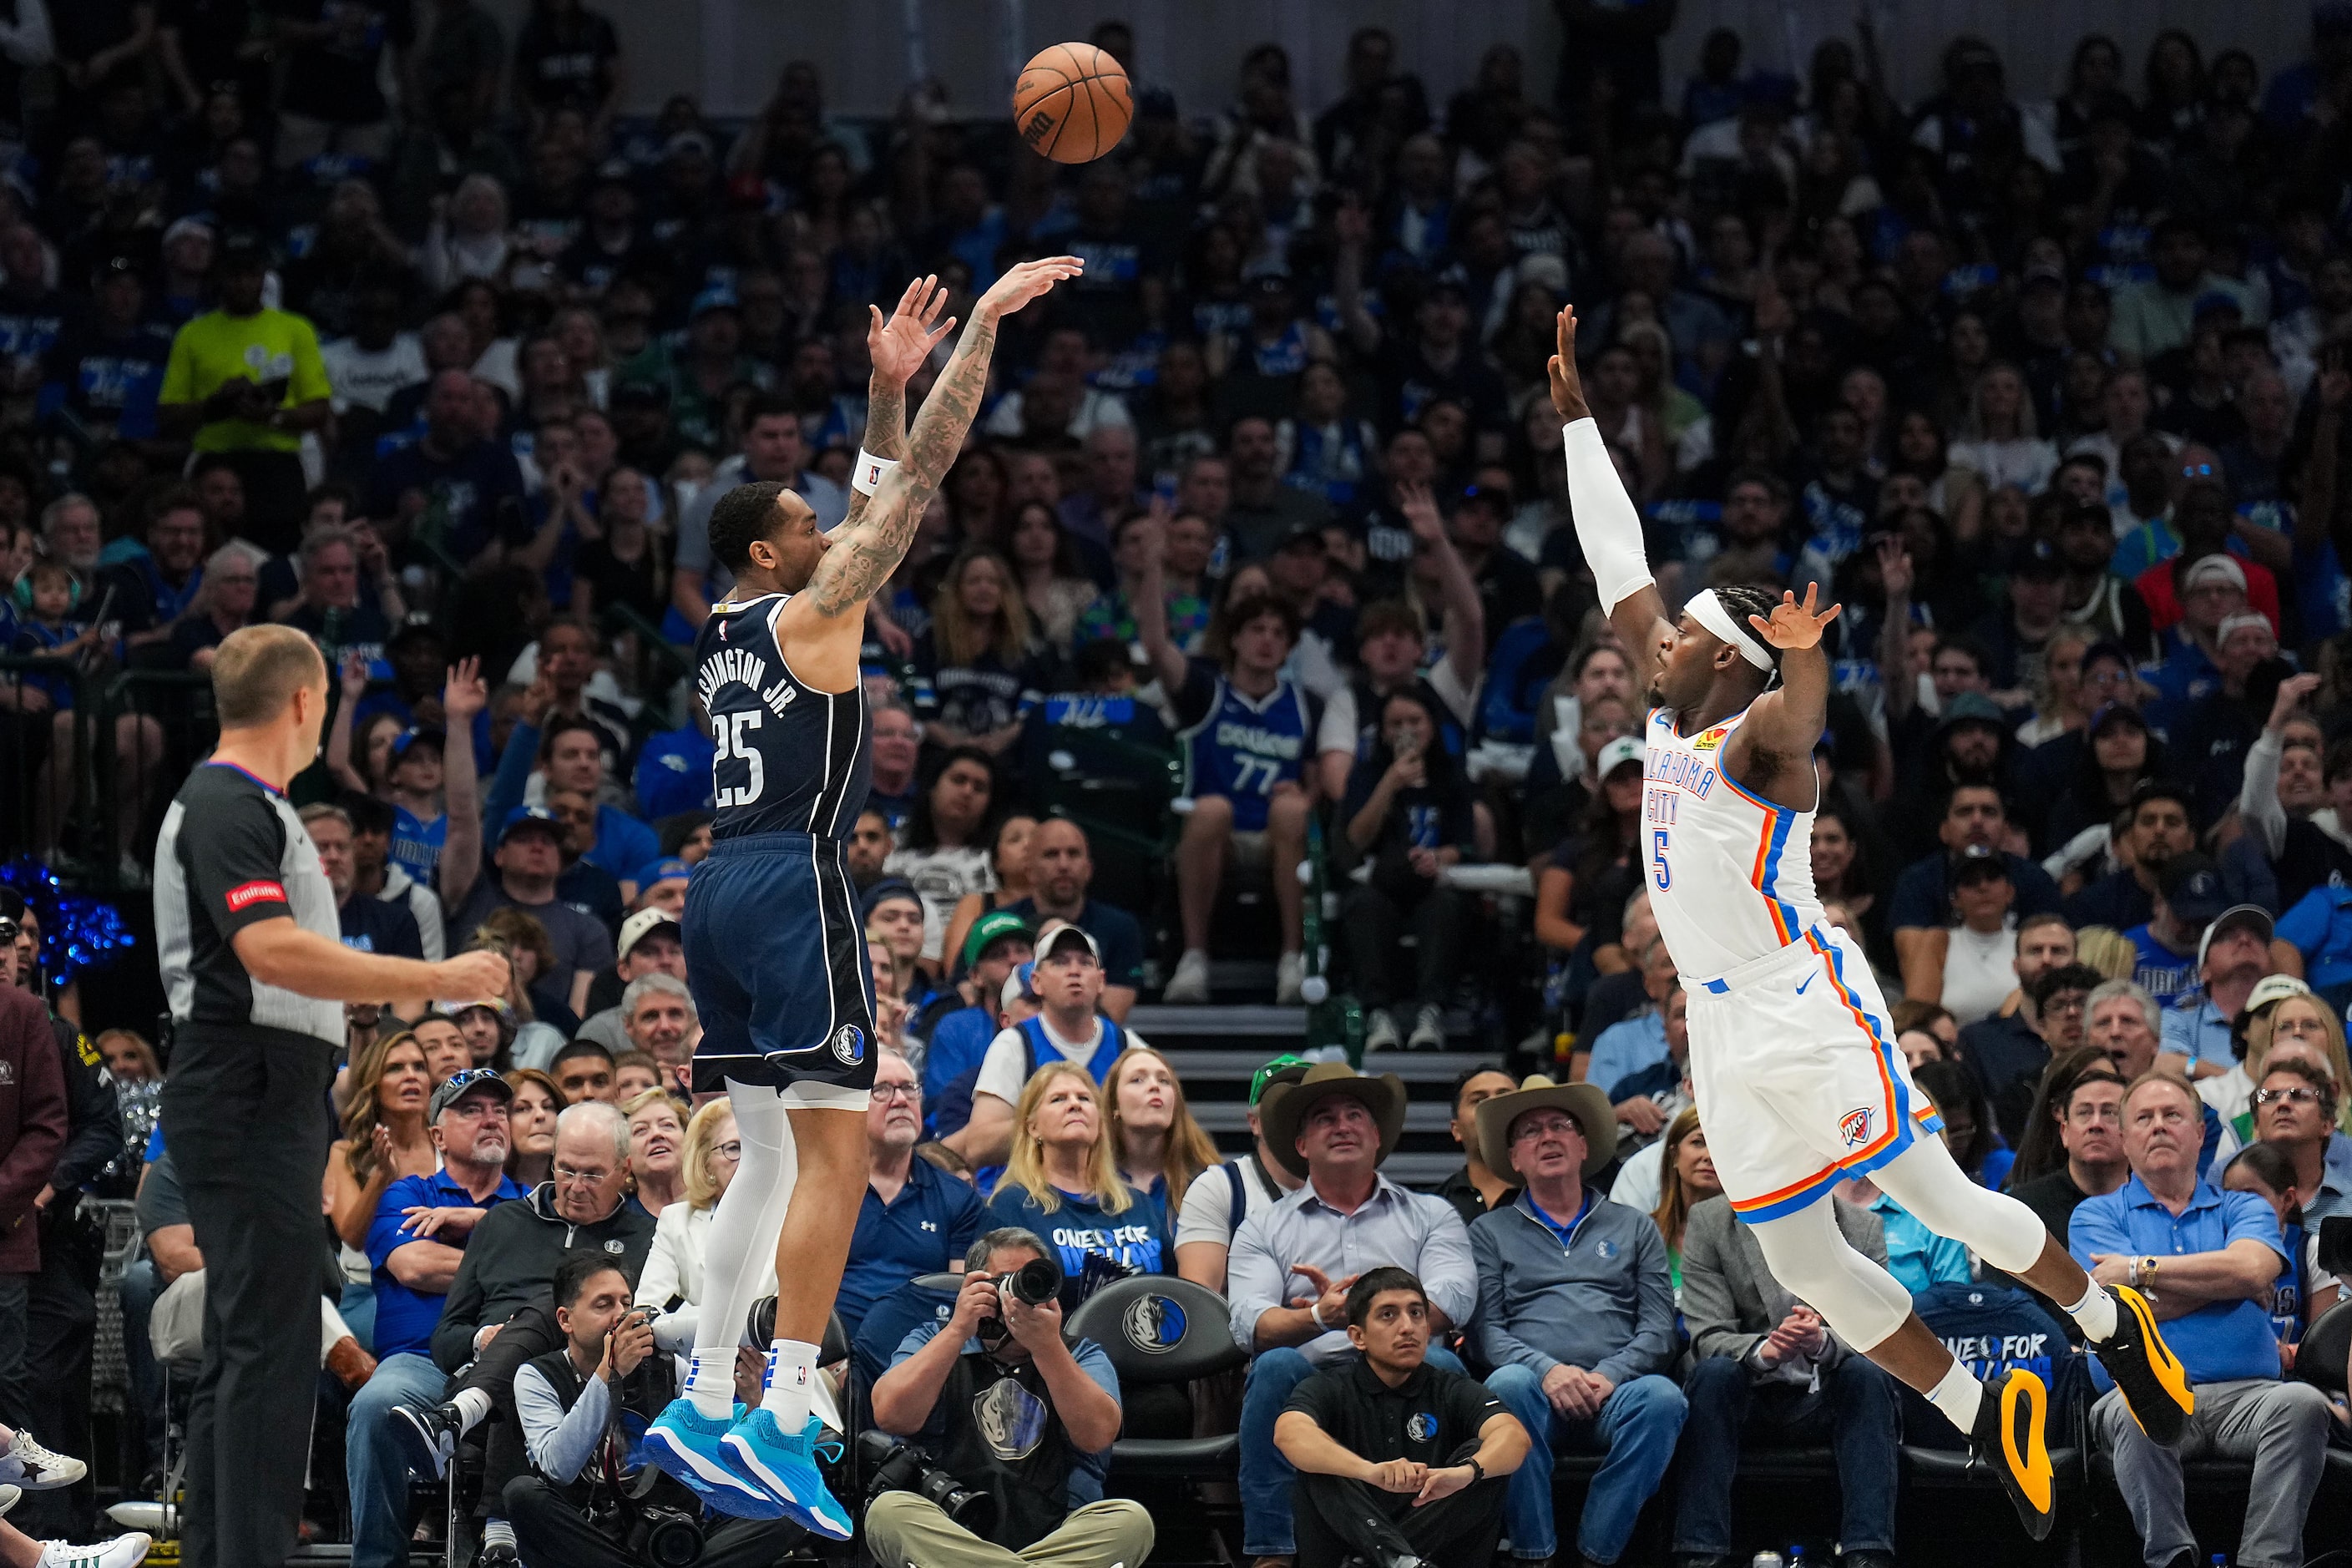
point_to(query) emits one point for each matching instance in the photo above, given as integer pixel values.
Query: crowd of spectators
(367, 319)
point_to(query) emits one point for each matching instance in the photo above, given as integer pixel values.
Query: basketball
(1072, 103)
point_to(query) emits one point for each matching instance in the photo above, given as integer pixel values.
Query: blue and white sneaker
(689, 1448)
(784, 1465)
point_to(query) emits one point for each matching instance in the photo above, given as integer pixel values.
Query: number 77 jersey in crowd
(1730, 873)
(787, 759)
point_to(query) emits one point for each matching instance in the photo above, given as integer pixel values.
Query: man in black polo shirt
(371, 925)
(247, 941)
(1398, 1463)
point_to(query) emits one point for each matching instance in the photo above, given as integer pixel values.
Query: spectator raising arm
(1465, 627)
(462, 697)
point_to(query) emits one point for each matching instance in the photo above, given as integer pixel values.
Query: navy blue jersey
(1241, 748)
(788, 760)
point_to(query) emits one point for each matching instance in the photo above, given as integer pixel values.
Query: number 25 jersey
(788, 759)
(1730, 874)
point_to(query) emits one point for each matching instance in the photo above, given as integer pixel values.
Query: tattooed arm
(897, 348)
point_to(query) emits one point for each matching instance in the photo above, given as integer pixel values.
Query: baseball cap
(2040, 562)
(2240, 622)
(2192, 885)
(1288, 1068)
(994, 926)
(1616, 754)
(2272, 988)
(687, 142)
(643, 924)
(432, 735)
(523, 817)
(1050, 935)
(2045, 272)
(463, 1084)
(2214, 569)
(718, 297)
(660, 870)
(1976, 863)
(2214, 302)
(883, 892)
(1972, 708)
(2249, 917)
(2107, 710)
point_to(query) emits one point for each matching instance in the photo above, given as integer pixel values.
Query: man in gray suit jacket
(1766, 1369)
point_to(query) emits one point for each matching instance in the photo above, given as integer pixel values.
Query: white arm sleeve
(1606, 523)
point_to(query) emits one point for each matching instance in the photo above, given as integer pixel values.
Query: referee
(257, 975)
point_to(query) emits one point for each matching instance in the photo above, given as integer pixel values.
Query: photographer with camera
(579, 1505)
(1014, 1413)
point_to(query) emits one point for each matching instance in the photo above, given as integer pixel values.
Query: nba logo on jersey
(1855, 1127)
(849, 1045)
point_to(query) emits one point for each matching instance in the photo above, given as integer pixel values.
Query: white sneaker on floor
(1189, 986)
(1288, 977)
(1379, 1030)
(37, 1469)
(1428, 1031)
(122, 1551)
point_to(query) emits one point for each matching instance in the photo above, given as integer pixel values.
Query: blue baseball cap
(524, 816)
(432, 735)
(718, 297)
(660, 870)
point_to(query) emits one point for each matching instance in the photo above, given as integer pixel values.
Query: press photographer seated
(576, 1506)
(1008, 1407)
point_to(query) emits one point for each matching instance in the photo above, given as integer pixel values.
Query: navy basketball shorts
(775, 956)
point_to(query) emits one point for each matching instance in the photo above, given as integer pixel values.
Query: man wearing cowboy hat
(1576, 1315)
(1290, 1267)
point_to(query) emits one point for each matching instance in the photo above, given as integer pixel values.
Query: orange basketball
(1072, 103)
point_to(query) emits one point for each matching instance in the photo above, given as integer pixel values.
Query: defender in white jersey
(1800, 1084)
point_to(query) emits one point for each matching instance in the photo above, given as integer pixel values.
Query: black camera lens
(1037, 1281)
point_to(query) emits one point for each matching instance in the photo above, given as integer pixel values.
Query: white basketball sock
(1959, 1396)
(792, 1366)
(2095, 1315)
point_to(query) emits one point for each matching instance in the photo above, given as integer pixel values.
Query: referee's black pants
(1339, 1518)
(245, 1114)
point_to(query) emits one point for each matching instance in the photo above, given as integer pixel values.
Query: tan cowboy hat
(1586, 1106)
(1282, 1111)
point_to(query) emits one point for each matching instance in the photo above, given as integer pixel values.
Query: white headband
(1707, 610)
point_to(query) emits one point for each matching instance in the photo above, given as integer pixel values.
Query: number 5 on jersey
(1660, 873)
(731, 735)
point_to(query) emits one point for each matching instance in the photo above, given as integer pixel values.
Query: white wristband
(1315, 1313)
(871, 470)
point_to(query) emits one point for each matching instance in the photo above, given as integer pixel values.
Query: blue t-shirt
(1137, 1238)
(417, 844)
(1915, 1255)
(2222, 1341)
(2160, 971)
(959, 1042)
(622, 843)
(1627, 1048)
(2320, 928)
(923, 1231)
(2195, 1028)
(404, 1319)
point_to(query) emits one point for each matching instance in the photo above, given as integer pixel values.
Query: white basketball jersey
(1732, 874)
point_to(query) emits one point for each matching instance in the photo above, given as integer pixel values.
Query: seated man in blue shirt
(916, 1219)
(1581, 1337)
(2206, 1259)
(1638, 1041)
(2232, 956)
(421, 1224)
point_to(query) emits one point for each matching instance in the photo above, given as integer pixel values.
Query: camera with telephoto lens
(1035, 1282)
(665, 1537)
(902, 1468)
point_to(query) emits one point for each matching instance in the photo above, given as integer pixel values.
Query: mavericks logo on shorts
(849, 1045)
(1855, 1127)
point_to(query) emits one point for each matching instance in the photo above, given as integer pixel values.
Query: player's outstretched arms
(1606, 526)
(863, 556)
(896, 349)
(1783, 723)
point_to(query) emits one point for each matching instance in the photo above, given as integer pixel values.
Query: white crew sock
(710, 1383)
(497, 1531)
(2095, 1315)
(792, 1367)
(473, 1407)
(1958, 1396)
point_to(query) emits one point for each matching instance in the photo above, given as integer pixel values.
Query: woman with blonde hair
(1157, 1145)
(2106, 950)
(1685, 1179)
(2282, 1018)
(706, 1161)
(2059, 702)
(656, 1151)
(978, 654)
(1062, 1182)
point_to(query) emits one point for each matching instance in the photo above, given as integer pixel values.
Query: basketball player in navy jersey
(774, 951)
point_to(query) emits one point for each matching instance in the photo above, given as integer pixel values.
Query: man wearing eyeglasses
(2206, 1260)
(501, 1310)
(914, 1219)
(415, 1244)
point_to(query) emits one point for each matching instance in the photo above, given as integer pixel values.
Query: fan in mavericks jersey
(773, 951)
(1247, 735)
(1795, 1068)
